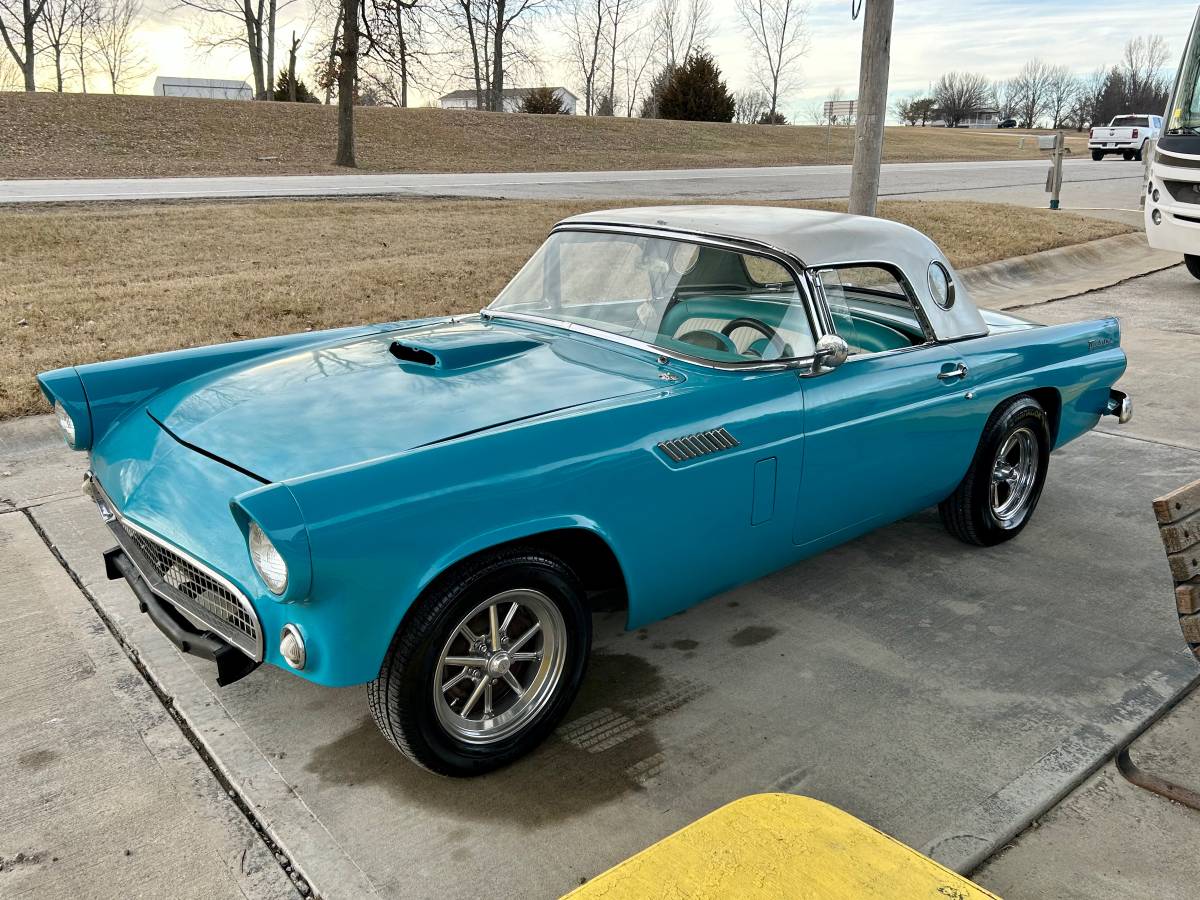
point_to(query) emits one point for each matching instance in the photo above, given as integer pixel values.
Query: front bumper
(198, 610)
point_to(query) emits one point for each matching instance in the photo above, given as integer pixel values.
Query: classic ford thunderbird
(663, 403)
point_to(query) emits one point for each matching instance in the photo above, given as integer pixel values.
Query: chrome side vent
(692, 446)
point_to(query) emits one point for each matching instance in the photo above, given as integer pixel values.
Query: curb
(1064, 272)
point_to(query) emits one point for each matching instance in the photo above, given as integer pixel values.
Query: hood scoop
(455, 351)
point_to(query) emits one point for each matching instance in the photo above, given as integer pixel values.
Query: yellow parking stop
(779, 846)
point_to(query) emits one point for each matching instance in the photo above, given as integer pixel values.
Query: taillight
(1135, 134)
(1091, 133)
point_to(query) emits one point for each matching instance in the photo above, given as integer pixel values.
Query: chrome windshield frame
(819, 324)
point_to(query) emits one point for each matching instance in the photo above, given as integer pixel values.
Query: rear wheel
(1137, 154)
(1193, 264)
(1097, 155)
(485, 665)
(996, 498)
(1127, 155)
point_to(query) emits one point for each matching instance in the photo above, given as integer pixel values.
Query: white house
(980, 118)
(207, 88)
(512, 97)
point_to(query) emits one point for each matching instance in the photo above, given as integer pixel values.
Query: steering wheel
(774, 341)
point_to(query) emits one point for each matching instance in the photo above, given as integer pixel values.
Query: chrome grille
(693, 446)
(197, 585)
(200, 594)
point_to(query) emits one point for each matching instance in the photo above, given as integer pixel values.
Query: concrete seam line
(286, 865)
(1008, 812)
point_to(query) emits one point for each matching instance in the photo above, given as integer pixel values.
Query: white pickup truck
(1126, 135)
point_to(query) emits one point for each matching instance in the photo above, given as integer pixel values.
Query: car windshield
(686, 297)
(1184, 109)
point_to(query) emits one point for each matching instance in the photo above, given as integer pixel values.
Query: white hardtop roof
(816, 239)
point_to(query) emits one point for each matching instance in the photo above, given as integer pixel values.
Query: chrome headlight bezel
(268, 562)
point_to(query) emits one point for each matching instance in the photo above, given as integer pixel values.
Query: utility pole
(872, 106)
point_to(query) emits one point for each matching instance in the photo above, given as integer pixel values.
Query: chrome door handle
(959, 371)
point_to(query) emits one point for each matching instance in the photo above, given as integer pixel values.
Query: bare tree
(1141, 64)
(57, 26)
(778, 39)
(959, 94)
(684, 26)
(347, 83)
(1032, 87)
(1089, 97)
(622, 28)
(244, 23)
(116, 44)
(1004, 98)
(585, 27)
(11, 77)
(83, 39)
(634, 55)
(1061, 87)
(397, 42)
(749, 106)
(18, 27)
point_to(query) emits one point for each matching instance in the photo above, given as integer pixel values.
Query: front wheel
(996, 498)
(485, 665)
(1193, 264)
(1097, 155)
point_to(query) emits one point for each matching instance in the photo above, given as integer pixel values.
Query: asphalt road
(944, 693)
(1111, 184)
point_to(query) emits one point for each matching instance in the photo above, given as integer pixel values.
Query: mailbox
(1046, 141)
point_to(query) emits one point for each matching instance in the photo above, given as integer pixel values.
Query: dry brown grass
(91, 136)
(102, 282)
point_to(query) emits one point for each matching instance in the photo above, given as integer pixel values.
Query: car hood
(297, 413)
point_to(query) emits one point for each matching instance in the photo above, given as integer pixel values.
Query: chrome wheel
(1014, 474)
(500, 667)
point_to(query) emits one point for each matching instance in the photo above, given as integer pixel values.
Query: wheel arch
(579, 543)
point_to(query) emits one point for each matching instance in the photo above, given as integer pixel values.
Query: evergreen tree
(303, 94)
(697, 93)
(543, 101)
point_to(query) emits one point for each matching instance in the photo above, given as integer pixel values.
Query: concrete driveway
(1109, 185)
(945, 694)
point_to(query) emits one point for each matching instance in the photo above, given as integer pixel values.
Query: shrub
(697, 93)
(303, 94)
(542, 101)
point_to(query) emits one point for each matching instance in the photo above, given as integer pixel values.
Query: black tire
(1193, 264)
(969, 513)
(1127, 155)
(402, 697)
(1097, 155)
(1137, 154)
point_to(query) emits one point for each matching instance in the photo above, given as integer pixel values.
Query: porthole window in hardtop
(941, 286)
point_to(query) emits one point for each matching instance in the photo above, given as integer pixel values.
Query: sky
(930, 37)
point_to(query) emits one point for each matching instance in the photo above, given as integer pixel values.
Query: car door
(891, 430)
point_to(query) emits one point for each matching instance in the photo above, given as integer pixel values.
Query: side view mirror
(830, 353)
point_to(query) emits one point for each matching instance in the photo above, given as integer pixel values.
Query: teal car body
(377, 458)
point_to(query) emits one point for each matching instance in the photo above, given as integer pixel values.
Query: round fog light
(1155, 195)
(1156, 217)
(291, 646)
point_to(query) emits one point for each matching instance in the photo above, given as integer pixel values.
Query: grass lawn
(51, 135)
(85, 283)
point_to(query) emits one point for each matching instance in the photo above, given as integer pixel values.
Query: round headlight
(267, 561)
(65, 422)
